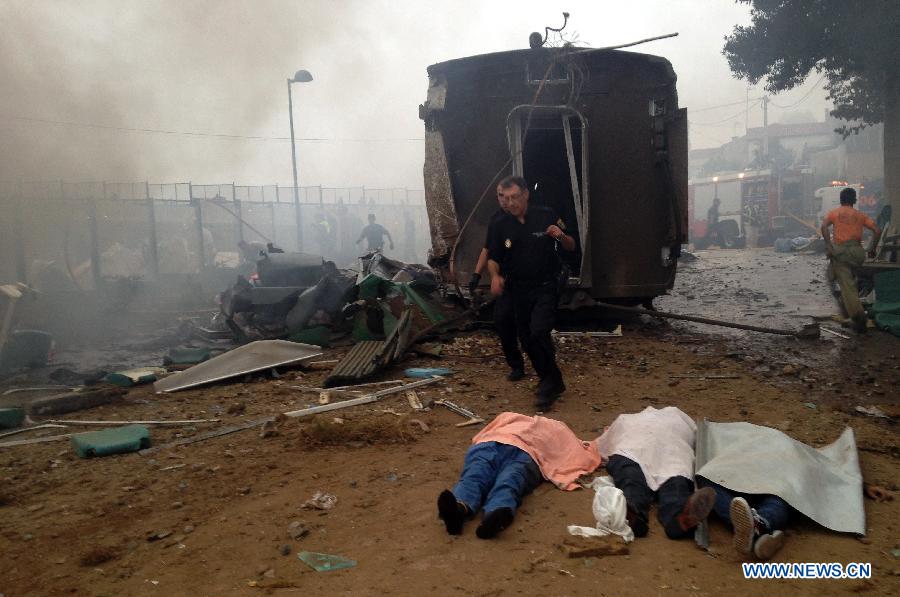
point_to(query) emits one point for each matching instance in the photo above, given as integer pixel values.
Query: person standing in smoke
(374, 234)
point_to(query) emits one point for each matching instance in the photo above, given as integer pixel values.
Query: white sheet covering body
(661, 441)
(825, 484)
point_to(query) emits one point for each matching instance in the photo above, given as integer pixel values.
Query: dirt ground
(213, 518)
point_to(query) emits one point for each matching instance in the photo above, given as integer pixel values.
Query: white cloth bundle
(609, 511)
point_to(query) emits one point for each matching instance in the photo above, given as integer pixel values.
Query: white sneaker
(744, 526)
(767, 546)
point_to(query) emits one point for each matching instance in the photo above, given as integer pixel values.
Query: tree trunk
(892, 147)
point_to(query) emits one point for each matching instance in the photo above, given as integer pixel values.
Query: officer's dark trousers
(505, 321)
(535, 312)
(672, 495)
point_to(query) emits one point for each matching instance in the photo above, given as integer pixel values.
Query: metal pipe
(740, 326)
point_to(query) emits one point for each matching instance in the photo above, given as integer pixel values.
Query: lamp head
(302, 76)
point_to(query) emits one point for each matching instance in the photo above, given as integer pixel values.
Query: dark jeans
(672, 495)
(505, 321)
(535, 309)
(496, 475)
(772, 509)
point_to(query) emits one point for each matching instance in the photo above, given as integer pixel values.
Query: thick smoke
(183, 66)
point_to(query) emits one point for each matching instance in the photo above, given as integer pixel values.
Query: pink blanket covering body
(561, 456)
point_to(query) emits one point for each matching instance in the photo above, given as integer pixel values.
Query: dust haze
(76, 74)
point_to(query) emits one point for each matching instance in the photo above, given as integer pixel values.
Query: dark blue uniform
(504, 314)
(531, 266)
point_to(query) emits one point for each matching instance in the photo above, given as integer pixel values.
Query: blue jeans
(496, 476)
(772, 509)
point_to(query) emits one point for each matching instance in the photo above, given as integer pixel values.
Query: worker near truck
(504, 315)
(374, 234)
(846, 254)
(523, 260)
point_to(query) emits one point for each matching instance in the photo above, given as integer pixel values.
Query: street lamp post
(301, 76)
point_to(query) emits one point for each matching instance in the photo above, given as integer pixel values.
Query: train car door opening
(548, 145)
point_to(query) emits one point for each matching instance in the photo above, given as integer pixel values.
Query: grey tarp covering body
(256, 356)
(825, 484)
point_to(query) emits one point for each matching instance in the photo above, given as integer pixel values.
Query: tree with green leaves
(854, 44)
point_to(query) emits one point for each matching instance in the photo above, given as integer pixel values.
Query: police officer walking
(504, 314)
(523, 260)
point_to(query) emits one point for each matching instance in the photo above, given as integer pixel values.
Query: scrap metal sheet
(825, 484)
(252, 357)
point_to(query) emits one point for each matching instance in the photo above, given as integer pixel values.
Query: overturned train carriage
(597, 134)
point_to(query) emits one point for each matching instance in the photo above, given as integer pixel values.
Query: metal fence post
(239, 220)
(198, 221)
(95, 243)
(21, 265)
(151, 229)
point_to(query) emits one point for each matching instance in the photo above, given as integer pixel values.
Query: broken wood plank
(60, 404)
(371, 383)
(63, 422)
(616, 333)
(413, 399)
(368, 399)
(320, 365)
(36, 440)
(205, 436)
(38, 389)
(32, 428)
(594, 547)
(298, 413)
(834, 333)
(705, 376)
(314, 390)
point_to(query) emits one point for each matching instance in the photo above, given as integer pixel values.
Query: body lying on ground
(507, 460)
(763, 478)
(650, 455)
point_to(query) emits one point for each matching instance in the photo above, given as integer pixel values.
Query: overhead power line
(802, 99)
(224, 136)
(708, 108)
(724, 120)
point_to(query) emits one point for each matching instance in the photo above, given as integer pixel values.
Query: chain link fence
(60, 234)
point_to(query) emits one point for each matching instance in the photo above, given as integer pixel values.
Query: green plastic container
(11, 417)
(118, 440)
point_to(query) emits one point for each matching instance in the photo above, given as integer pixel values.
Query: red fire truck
(755, 207)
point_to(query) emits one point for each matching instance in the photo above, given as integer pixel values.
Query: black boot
(494, 522)
(549, 390)
(451, 512)
(515, 374)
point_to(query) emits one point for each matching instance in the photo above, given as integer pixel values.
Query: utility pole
(765, 151)
(747, 113)
(301, 76)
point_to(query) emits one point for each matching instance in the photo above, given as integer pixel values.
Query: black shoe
(637, 522)
(494, 522)
(451, 512)
(545, 403)
(515, 374)
(551, 386)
